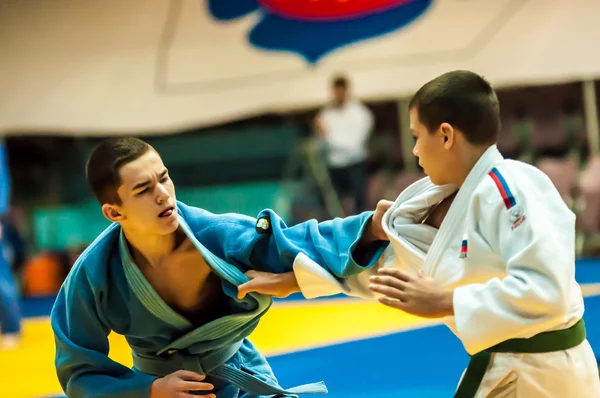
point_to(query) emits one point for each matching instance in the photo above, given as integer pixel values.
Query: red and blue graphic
(463, 249)
(314, 28)
(507, 195)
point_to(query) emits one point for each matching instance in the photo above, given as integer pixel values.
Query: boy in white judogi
(499, 270)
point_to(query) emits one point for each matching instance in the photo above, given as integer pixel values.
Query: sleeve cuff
(369, 254)
(313, 280)
(464, 306)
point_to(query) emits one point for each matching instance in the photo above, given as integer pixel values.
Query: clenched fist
(179, 385)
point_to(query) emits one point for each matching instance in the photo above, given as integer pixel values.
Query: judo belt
(556, 340)
(213, 364)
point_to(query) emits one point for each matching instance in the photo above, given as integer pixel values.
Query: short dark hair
(463, 99)
(105, 162)
(340, 81)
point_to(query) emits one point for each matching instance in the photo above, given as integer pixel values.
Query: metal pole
(405, 136)
(591, 116)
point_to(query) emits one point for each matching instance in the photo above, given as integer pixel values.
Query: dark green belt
(557, 340)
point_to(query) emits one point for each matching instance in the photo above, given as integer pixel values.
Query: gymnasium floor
(359, 348)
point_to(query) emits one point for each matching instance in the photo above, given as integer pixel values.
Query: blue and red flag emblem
(313, 28)
(516, 212)
(507, 195)
(464, 249)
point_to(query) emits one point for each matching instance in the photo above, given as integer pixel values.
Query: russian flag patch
(464, 249)
(516, 213)
(507, 195)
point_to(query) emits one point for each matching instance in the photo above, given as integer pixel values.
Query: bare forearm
(276, 285)
(289, 281)
(447, 302)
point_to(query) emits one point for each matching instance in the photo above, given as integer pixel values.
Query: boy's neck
(152, 249)
(467, 160)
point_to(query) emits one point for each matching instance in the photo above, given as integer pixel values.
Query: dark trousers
(351, 181)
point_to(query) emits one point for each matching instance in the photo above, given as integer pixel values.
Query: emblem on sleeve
(517, 216)
(263, 225)
(464, 248)
(514, 209)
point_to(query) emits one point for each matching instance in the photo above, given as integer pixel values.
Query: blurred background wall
(228, 92)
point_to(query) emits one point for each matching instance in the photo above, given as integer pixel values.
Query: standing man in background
(345, 125)
(10, 313)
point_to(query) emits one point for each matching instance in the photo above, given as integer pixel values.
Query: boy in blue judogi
(165, 276)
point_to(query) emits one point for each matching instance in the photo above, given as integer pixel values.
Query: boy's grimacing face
(148, 202)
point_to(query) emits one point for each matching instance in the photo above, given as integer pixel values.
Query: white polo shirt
(347, 129)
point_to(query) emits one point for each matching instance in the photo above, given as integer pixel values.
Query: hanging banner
(98, 67)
